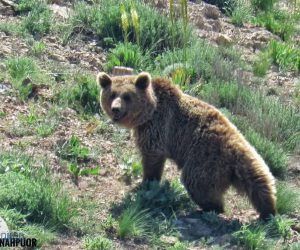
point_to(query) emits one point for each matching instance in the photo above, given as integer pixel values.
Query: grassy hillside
(70, 178)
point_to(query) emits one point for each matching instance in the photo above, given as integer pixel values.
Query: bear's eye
(113, 95)
(126, 98)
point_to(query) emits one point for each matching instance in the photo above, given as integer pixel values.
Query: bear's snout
(117, 108)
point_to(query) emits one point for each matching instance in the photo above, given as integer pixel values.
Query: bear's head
(128, 100)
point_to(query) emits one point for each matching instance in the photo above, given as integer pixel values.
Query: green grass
(278, 22)
(203, 61)
(154, 206)
(263, 4)
(104, 21)
(251, 237)
(33, 193)
(275, 157)
(40, 233)
(127, 54)
(285, 55)
(288, 199)
(81, 93)
(72, 150)
(277, 122)
(38, 21)
(280, 226)
(262, 64)
(133, 222)
(97, 243)
(241, 13)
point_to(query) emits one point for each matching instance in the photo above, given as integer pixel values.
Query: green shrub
(13, 218)
(275, 121)
(285, 55)
(28, 5)
(263, 4)
(280, 226)
(127, 54)
(288, 199)
(37, 197)
(41, 234)
(157, 29)
(251, 237)
(273, 154)
(82, 94)
(39, 20)
(20, 68)
(97, 243)
(278, 22)
(72, 150)
(203, 60)
(241, 13)
(262, 64)
(133, 222)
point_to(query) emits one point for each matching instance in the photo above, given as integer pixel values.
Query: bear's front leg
(153, 166)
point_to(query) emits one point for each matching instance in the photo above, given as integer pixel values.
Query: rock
(119, 70)
(57, 57)
(3, 228)
(168, 239)
(223, 40)
(211, 11)
(60, 11)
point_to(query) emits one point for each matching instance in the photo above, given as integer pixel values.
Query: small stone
(224, 40)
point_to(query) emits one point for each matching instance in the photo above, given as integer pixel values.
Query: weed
(97, 243)
(38, 48)
(280, 226)
(12, 217)
(38, 21)
(276, 21)
(241, 13)
(82, 94)
(133, 222)
(179, 246)
(273, 154)
(127, 54)
(72, 150)
(105, 21)
(203, 61)
(20, 69)
(36, 196)
(252, 237)
(277, 122)
(40, 233)
(77, 171)
(28, 5)
(288, 200)
(263, 4)
(262, 64)
(285, 55)
(132, 167)
(15, 161)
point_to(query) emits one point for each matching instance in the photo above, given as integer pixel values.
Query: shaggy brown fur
(209, 149)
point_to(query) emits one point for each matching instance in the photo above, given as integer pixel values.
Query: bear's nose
(116, 110)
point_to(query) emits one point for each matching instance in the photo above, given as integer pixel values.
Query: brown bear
(205, 145)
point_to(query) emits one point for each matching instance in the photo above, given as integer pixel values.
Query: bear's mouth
(117, 118)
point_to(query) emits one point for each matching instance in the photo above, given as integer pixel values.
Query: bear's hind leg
(203, 192)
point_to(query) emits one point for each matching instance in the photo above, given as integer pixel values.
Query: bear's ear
(143, 80)
(103, 80)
